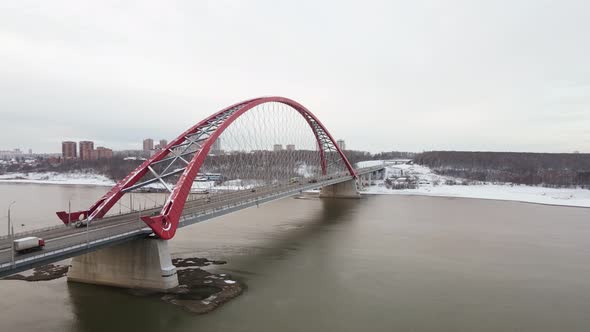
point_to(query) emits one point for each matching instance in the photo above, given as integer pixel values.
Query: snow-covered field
(58, 178)
(431, 184)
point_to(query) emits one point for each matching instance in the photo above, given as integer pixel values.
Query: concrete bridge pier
(365, 180)
(346, 189)
(143, 263)
(380, 174)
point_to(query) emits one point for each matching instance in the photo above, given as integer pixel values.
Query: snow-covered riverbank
(93, 179)
(430, 184)
(79, 178)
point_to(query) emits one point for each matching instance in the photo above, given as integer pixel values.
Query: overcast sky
(383, 75)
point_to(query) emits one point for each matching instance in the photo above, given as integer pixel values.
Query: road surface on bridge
(64, 242)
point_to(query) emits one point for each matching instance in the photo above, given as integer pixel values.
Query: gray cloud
(502, 75)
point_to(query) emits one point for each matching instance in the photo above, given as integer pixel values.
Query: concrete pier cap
(347, 189)
(144, 263)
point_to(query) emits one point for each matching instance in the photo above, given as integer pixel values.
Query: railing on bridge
(91, 237)
(96, 236)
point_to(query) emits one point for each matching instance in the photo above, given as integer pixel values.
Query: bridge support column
(364, 181)
(346, 189)
(144, 263)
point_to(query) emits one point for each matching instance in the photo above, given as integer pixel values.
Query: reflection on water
(97, 308)
(381, 263)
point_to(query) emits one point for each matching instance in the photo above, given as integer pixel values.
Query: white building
(216, 147)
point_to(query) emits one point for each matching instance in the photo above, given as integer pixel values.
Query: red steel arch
(165, 224)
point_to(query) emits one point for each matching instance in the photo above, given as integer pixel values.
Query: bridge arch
(202, 135)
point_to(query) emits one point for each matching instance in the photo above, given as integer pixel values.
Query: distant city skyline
(84, 150)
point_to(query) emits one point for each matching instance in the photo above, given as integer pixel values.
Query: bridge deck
(63, 242)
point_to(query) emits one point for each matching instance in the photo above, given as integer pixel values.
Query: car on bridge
(80, 223)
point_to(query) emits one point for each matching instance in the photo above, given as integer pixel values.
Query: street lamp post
(87, 235)
(11, 233)
(9, 206)
(70, 211)
(12, 245)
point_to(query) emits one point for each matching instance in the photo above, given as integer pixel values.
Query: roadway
(67, 241)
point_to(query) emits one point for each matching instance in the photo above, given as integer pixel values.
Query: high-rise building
(148, 144)
(86, 148)
(30, 151)
(163, 143)
(277, 147)
(290, 147)
(104, 153)
(341, 144)
(68, 150)
(10, 153)
(101, 153)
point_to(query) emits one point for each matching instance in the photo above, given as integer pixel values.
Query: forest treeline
(546, 169)
(118, 167)
(356, 156)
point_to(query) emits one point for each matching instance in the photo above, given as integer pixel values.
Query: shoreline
(401, 192)
(479, 198)
(430, 184)
(42, 182)
(536, 195)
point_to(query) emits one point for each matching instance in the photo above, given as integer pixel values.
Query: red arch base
(165, 224)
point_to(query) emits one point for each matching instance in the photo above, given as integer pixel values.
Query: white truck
(28, 244)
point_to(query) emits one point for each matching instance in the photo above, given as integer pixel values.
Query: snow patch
(306, 171)
(58, 178)
(431, 184)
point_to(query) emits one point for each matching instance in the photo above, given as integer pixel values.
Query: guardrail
(82, 245)
(371, 169)
(32, 231)
(138, 228)
(203, 214)
(213, 199)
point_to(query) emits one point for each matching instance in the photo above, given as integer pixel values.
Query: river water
(382, 263)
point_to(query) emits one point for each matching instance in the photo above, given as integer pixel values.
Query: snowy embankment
(93, 179)
(57, 178)
(430, 184)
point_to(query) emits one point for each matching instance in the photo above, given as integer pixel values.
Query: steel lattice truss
(233, 149)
